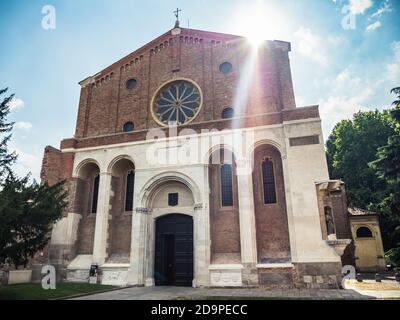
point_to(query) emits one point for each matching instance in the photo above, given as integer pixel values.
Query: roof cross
(176, 12)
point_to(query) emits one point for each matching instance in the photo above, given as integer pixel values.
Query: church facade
(191, 165)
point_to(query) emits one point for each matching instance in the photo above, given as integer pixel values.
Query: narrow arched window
(129, 126)
(95, 193)
(130, 183)
(226, 185)
(364, 232)
(227, 113)
(268, 177)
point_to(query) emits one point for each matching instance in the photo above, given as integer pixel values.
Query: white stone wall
(303, 166)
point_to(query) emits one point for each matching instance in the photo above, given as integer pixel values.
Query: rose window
(177, 103)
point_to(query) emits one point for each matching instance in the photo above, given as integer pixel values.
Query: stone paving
(387, 289)
(173, 293)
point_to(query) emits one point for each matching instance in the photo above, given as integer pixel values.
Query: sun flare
(260, 23)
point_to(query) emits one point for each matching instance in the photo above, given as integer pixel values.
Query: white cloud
(360, 6)
(349, 93)
(26, 163)
(309, 44)
(374, 26)
(16, 104)
(383, 9)
(393, 67)
(337, 108)
(22, 125)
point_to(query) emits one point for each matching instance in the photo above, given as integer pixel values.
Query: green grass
(34, 291)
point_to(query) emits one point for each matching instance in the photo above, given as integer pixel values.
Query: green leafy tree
(27, 213)
(6, 158)
(27, 210)
(352, 145)
(387, 167)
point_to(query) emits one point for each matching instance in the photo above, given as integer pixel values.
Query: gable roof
(201, 35)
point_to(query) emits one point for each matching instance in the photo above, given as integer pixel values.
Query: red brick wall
(87, 224)
(107, 104)
(56, 166)
(120, 225)
(271, 219)
(224, 221)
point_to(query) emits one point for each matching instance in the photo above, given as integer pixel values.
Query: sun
(259, 23)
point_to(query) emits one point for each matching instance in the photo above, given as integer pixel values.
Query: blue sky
(340, 68)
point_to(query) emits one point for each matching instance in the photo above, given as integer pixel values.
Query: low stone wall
(19, 276)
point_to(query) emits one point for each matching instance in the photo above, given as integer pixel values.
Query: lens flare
(259, 22)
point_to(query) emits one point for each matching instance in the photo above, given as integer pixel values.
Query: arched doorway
(174, 250)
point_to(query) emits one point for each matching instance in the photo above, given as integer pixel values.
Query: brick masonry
(271, 219)
(106, 104)
(224, 221)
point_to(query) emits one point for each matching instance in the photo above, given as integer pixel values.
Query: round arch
(114, 161)
(217, 147)
(273, 143)
(148, 189)
(82, 164)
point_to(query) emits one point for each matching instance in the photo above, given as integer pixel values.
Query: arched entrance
(174, 250)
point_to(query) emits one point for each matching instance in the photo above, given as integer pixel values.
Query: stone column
(139, 249)
(248, 240)
(103, 208)
(201, 224)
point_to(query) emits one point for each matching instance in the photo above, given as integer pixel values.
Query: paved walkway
(173, 293)
(387, 289)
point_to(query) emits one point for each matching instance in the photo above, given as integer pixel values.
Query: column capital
(198, 206)
(140, 210)
(105, 174)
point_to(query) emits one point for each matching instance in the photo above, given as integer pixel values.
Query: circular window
(129, 126)
(225, 67)
(177, 102)
(227, 113)
(131, 84)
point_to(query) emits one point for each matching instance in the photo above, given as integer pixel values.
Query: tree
(387, 166)
(6, 158)
(27, 210)
(351, 146)
(27, 213)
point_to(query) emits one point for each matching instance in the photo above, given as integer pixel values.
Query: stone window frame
(128, 123)
(125, 191)
(166, 83)
(134, 86)
(220, 187)
(270, 158)
(225, 110)
(93, 180)
(364, 238)
(225, 63)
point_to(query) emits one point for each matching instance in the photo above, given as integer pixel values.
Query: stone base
(323, 275)
(277, 275)
(114, 274)
(78, 269)
(93, 280)
(226, 275)
(318, 275)
(81, 276)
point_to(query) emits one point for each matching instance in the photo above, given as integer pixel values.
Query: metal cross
(176, 12)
